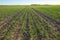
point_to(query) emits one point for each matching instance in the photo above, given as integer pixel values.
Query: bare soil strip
(50, 20)
(17, 34)
(27, 26)
(27, 34)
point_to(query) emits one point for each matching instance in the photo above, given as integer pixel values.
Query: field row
(26, 24)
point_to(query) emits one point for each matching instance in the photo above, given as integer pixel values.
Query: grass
(6, 11)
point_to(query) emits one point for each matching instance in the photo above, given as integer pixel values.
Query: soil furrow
(27, 34)
(17, 34)
(27, 30)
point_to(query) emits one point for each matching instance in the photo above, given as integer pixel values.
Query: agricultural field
(50, 11)
(29, 22)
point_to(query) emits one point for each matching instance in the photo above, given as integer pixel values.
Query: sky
(28, 2)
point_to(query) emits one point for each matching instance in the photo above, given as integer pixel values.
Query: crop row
(28, 25)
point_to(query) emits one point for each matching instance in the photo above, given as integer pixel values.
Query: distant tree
(46, 4)
(35, 4)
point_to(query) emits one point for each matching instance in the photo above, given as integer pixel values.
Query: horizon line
(29, 4)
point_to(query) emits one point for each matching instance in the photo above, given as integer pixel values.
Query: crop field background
(30, 22)
(51, 11)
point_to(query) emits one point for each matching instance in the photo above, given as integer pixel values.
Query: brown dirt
(27, 34)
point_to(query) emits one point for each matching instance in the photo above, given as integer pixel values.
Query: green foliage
(50, 11)
(37, 26)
